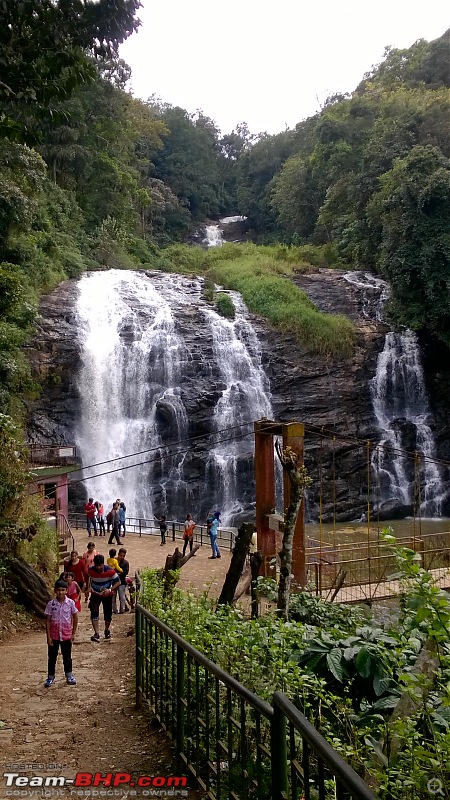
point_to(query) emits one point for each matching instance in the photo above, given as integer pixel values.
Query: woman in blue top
(122, 512)
(213, 535)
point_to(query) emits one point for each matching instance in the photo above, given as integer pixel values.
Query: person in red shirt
(91, 512)
(78, 567)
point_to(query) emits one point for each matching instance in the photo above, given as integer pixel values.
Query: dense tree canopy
(90, 176)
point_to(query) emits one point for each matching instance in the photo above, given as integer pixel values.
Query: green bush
(42, 551)
(224, 305)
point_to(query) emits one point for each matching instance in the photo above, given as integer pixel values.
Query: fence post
(180, 706)
(278, 753)
(173, 531)
(139, 658)
(140, 527)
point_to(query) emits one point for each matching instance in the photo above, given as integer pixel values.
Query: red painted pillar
(265, 486)
(293, 437)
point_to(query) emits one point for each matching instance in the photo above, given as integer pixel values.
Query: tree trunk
(234, 573)
(175, 562)
(299, 480)
(32, 591)
(256, 560)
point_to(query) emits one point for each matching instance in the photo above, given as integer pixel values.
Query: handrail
(347, 776)
(64, 530)
(231, 740)
(150, 527)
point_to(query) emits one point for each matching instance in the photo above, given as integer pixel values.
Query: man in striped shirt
(102, 581)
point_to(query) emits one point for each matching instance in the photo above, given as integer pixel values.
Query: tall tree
(44, 52)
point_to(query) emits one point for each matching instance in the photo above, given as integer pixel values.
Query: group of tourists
(212, 526)
(115, 519)
(101, 584)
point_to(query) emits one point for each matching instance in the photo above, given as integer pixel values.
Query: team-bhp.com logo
(149, 785)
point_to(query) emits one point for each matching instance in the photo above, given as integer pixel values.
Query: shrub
(224, 305)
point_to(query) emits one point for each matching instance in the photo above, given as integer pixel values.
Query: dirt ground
(93, 726)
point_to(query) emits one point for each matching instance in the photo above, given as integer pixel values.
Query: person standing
(125, 568)
(103, 581)
(61, 620)
(213, 527)
(77, 566)
(73, 590)
(90, 511)
(188, 535)
(100, 518)
(162, 529)
(115, 523)
(88, 556)
(122, 518)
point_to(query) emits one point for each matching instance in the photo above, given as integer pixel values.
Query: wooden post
(265, 485)
(293, 437)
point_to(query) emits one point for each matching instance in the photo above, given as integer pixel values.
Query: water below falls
(160, 369)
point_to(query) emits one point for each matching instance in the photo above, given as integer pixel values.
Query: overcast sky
(270, 63)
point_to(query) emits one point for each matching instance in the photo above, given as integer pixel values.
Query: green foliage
(265, 289)
(342, 670)
(13, 472)
(41, 551)
(411, 209)
(224, 305)
(44, 46)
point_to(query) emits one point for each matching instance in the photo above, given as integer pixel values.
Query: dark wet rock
(330, 395)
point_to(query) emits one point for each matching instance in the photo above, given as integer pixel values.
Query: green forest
(92, 178)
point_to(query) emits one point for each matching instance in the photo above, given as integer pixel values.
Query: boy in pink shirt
(61, 622)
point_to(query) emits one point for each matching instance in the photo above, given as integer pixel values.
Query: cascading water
(213, 236)
(158, 366)
(401, 409)
(245, 398)
(132, 360)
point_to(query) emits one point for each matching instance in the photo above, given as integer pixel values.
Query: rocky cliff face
(331, 396)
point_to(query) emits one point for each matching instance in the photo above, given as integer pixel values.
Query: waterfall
(213, 233)
(132, 359)
(244, 398)
(401, 409)
(159, 366)
(213, 237)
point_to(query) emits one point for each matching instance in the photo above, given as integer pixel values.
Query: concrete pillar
(293, 437)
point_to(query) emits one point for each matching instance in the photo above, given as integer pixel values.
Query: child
(73, 590)
(61, 623)
(88, 555)
(132, 592)
(112, 562)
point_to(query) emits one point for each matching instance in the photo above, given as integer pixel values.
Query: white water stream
(137, 375)
(400, 403)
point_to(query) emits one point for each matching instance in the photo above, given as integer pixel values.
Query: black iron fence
(234, 743)
(150, 527)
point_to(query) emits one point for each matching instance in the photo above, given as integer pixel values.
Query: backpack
(209, 522)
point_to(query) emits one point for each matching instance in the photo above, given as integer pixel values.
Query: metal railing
(52, 455)
(233, 742)
(64, 531)
(362, 571)
(150, 527)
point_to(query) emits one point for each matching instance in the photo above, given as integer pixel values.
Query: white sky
(270, 63)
